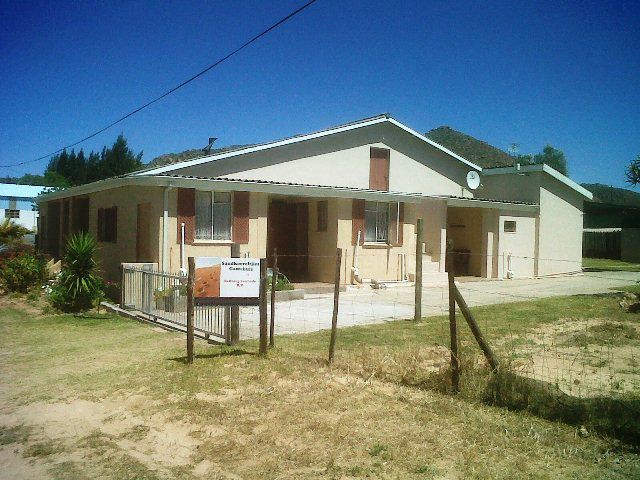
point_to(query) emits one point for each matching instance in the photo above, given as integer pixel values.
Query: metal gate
(162, 298)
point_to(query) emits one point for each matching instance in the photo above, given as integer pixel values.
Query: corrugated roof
(310, 185)
(20, 191)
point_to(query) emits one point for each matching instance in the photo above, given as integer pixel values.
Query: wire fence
(583, 352)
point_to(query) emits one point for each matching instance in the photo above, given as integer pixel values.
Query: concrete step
(435, 278)
(428, 266)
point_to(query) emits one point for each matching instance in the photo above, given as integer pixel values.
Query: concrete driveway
(367, 306)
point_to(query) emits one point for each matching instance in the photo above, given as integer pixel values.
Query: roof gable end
(302, 138)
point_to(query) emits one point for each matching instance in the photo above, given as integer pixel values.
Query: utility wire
(169, 92)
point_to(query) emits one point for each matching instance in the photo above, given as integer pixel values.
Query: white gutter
(491, 204)
(230, 185)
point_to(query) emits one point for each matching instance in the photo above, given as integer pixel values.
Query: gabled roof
(540, 168)
(477, 151)
(20, 191)
(378, 119)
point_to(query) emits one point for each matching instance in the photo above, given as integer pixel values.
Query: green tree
(77, 169)
(633, 172)
(552, 157)
(119, 159)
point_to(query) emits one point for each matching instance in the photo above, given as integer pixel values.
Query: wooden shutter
(101, 224)
(112, 224)
(379, 169)
(398, 225)
(187, 214)
(241, 217)
(357, 221)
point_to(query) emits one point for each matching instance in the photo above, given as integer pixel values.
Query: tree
(552, 157)
(633, 172)
(119, 159)
(78, 169)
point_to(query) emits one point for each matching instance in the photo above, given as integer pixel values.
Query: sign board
(227, 281)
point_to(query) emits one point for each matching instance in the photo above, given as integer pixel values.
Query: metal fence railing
(162, 297)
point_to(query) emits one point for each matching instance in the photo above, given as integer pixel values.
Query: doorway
(288, 231)
(143, 234)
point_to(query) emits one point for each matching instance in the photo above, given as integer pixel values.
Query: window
(11, 213)
(323, 215)
(510, 226)
(376, 222)
(108, 224)
(213, 215)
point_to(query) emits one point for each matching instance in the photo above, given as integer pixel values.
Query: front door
(288, 231)
(143, 233)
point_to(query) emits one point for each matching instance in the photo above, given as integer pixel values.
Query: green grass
(17, 434)
(629, 288)
(606, 264)
(288, 415)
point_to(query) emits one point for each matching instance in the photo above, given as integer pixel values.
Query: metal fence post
(234, 323)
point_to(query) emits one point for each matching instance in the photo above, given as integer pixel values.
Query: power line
(170, 91)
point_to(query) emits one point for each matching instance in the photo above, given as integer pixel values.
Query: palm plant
(11, 232)
(78, 280)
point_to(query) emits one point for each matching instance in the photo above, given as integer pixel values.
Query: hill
(470, 148)
(616, 196)
(169, 158)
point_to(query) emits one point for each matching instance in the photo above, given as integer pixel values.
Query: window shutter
(101, 224)
(241, 217)
(113, 234)
(187, 214)
(379, 169)
(357, 221)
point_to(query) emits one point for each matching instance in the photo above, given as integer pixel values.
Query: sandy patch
(552, 354)
(153, 440)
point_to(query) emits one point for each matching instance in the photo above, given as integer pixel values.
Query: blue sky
(533, 73)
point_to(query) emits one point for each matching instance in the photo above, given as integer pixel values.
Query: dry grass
(107, 397)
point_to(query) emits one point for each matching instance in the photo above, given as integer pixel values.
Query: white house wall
(516, 250)
(560, 233)
(559, 236)
(344, 160)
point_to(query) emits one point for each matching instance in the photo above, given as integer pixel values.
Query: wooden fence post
(418, 293)
(473, 325)
(336, 298)
(234, 321)
(263, 307)
(274, 279)
(191, 280)
(453, 328)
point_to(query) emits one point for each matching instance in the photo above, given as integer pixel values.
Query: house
(359, 187)
(17, 202)
(612, 224)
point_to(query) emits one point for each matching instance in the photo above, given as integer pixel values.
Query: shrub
(78, 287)
(112, 291)
(22, 272)
(11, 232)
(13, 250)
(282, 282)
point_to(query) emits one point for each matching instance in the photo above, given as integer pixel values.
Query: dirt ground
(98, 396)
(583, 357)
